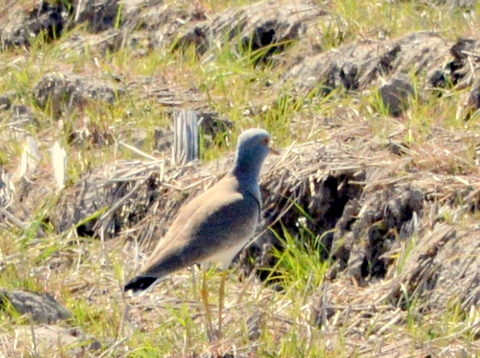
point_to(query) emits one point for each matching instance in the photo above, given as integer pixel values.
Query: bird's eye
(266, 140)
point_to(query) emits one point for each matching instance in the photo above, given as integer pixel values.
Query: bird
(213, 227)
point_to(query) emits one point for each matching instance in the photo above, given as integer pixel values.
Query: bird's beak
(274, 151)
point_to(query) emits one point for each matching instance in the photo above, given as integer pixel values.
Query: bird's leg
(194, 282)
(208, 314)
(221, 299)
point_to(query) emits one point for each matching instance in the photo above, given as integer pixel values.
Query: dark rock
(213, 125)
(471, 104)
(42, 308)
(371, 235)
(455, 266)
(5, 102)
(325, 202)
(141, 25)
(100, 15)
(396, 95)
(63, 92)
(460, 68)
(357, 264)
(89, 201)
(358, 66)
(23, 25)
(162, 139)
(150, 24)
(439, 79)
(267, 24)
(22, 115)
(16, 115)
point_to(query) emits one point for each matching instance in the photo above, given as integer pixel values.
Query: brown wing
(220, 218)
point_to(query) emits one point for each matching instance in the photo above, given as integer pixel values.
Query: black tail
(140, 283)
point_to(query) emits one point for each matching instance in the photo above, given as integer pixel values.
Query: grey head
(252, 149)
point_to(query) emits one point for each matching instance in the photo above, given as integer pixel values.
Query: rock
(212, 124)
(457, 71)
(16, 115)
(358, 66)
(24, 24)
(464, 58)
(267, 24)
(137, 24)
(62, 92)
(99, 15)
(22, 115)
(5, 102)
(151, 24)
(48, 340)
(439, 79)
(471, 103)
(438, 268)
(42, 308)
(452, 260)
(396, 95)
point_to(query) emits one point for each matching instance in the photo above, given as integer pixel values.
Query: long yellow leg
(221, 300)
(208, 314)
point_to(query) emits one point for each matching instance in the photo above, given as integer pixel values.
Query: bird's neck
(247, 177)
(246, 169)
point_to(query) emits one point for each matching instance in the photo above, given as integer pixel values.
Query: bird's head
(252, 149)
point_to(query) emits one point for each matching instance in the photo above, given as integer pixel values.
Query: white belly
(225, 257)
